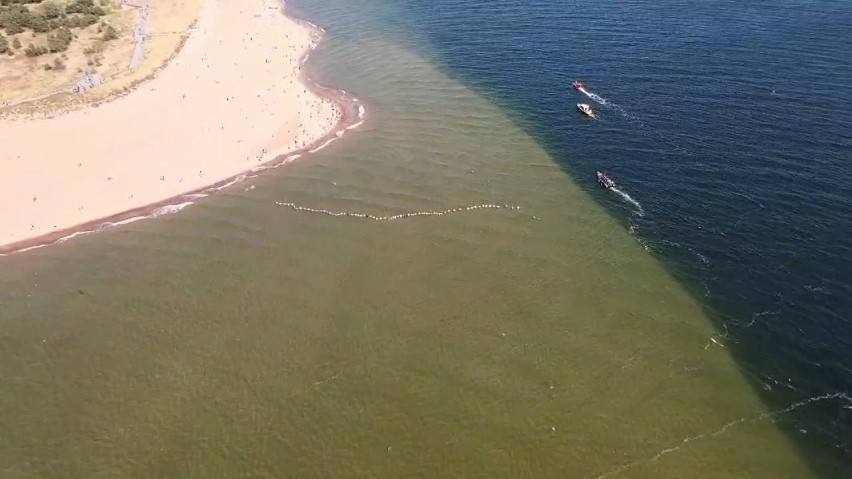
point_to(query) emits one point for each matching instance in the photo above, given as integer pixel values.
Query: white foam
(629, 199)
(110, 224)
(236, 180)
(27, 249)
(591, 95)
(169, 209)
(635, 120)
(66, 238)
(328, 142)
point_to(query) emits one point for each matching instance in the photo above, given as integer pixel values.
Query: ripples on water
(730, 123)
(239, 337)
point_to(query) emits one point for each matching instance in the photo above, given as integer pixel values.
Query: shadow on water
(527, 72)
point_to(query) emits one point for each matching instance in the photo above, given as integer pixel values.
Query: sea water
(565, 336)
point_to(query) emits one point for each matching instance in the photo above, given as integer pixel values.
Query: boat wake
(591, 95)
(639, 210)
(635, 120)
(604, 102)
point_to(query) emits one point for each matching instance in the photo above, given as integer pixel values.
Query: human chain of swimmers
(400, 216)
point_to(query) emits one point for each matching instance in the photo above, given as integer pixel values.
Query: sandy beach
(233, 99)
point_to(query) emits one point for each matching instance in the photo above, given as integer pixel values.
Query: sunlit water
(259, 333)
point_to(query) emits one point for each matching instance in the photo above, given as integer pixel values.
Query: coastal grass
(33, 85)
(53, 44)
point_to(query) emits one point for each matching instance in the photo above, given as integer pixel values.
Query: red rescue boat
(578, 85)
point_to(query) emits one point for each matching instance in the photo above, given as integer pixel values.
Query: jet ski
(605, 181)
(586, 110)
(578, 85)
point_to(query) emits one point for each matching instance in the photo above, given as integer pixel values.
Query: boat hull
(586, 110)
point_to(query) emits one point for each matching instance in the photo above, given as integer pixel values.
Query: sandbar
(233, 101)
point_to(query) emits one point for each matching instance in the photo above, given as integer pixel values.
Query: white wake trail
(634, 120)
(591, 95)
(604, 102)
(639, 210)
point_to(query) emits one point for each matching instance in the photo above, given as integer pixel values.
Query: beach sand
(234, 98)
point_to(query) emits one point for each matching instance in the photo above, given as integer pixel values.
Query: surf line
(460, 209)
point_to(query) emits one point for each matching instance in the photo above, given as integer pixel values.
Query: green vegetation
(59, 41)
(58, 64)
(84, 6)
(110, 33)
(34, 51)
(54, 18)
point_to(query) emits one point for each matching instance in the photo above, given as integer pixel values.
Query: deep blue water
(731, 123)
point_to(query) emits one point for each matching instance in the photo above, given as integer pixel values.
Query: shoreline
(351, 116)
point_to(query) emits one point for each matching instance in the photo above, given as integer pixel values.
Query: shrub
(14, 29)
(34, 51)
(79, 6)
(85, 6)
(110, 33)
(52, 10)
(80, 21)
(38, 24)
(4, 44)
(15, 19)
(16, 44)
(59, 42)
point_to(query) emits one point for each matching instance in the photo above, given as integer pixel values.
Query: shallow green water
(238, 338)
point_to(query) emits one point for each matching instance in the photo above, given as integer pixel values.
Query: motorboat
(586, 110)
(605, 181)
(578, 85)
